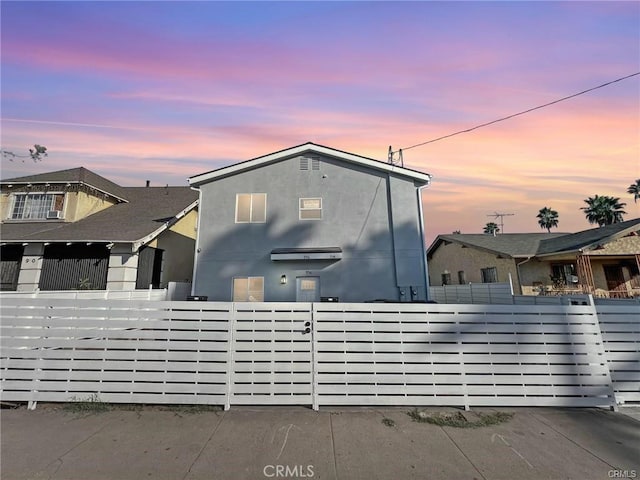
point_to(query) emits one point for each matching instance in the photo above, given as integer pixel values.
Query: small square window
(489, 275)
(310, 208)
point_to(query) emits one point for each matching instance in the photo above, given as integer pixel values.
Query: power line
(520, 113)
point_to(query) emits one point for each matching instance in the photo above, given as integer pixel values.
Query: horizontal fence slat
(356, 354)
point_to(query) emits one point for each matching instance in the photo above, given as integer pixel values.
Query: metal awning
(319, 253)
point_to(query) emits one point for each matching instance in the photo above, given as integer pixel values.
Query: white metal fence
(137, 351)
(620, 325)
(149, 294)
(482, 293)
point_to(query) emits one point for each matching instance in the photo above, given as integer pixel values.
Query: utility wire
(520, 113)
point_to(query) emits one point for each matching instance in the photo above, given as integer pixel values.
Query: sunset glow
(166, 90)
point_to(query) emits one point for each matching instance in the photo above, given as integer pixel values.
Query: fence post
(314, 360)
(232, 327)
(612, 393)
(463, 378)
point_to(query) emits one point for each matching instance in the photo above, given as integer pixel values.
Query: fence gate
(271, 353)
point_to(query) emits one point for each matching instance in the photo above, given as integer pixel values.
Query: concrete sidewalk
(295, 442)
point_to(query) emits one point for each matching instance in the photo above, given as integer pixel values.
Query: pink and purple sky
(165, 90)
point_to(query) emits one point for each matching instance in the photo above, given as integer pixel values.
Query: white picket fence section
(475, 293)
(138, 351)
(620, 325)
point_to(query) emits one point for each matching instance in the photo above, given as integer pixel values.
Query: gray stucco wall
(358, 206)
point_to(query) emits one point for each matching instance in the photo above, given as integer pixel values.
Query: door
(307, 289)
(615, 281)
(271, 354)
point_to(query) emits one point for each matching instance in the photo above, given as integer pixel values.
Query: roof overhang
(320, 253)
(197, 180)
(65, 184)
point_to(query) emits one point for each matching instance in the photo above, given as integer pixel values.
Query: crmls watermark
(288, 471)
(622, 474)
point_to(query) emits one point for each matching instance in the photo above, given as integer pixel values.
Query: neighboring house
(604, 261)
(73, 229)
(310, 223)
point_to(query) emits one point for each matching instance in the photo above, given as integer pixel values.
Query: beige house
(603, 261)
(74, 229)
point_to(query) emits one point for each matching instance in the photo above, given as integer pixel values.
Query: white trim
(147, 238)
(307, 147)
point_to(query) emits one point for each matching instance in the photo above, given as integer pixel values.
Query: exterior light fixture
(283, 280)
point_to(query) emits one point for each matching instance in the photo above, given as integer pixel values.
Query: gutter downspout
(196, 253)
(423, 241)
(518, 272)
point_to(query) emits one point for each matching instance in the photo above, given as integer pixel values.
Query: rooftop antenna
(501, 216)
(392, 160)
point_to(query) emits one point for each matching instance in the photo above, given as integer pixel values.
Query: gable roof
(78, 175)
(522, 245)
(149, 211)
(308, 147)
(587, 239)
(514, 245)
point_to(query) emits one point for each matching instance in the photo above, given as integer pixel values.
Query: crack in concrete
(463, 454)
(533, 415)
(204, 446)
(60, 458)
(333, 447)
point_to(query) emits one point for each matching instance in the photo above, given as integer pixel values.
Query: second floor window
(310, 209)
(251, 208)
(37, 206)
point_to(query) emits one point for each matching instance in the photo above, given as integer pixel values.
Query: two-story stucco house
(74, 229)
(311, 223)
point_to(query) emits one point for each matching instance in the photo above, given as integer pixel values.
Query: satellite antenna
(501, 216)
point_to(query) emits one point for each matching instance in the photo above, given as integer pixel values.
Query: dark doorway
(615, 280)
(11, 259)
(149, 267)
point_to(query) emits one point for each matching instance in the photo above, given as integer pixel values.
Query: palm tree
(634, 189)
(491, 228)
(547, 218)
(604, 210)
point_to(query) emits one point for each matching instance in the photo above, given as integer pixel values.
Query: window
(563, 274)
(251, 207)
(446, 278)
(31, 206)
(489, 275)
(248, 289)
(462, 277)
(310, 208)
